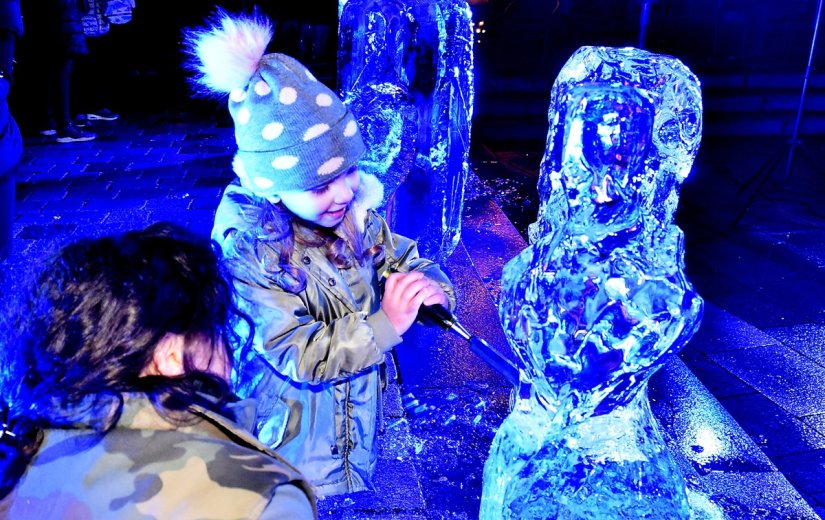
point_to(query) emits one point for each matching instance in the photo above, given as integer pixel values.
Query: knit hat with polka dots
(293, 133)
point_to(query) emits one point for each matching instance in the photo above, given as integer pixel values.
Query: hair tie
(6, 432)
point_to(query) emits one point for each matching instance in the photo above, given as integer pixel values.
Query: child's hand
(438, 297)
(404, 293)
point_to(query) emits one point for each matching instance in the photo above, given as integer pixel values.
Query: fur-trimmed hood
(369, 196)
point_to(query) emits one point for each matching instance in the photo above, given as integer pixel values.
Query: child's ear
(167, 359)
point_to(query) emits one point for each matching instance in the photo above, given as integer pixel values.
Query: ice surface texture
(600, 299)
(405, 67)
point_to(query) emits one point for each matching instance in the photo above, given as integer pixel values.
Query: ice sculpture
(406, 69)
(600, 299)
(374, 84)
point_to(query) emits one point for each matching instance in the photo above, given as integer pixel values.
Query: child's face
(325, 205)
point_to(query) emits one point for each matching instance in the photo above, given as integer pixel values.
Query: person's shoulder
(238, 210)
(210, 451)
(224, 478)
(258, 465)
(368, 198)
(240, 198)
(10, 17)
(373, 217)
(374, 225)
(230, 465)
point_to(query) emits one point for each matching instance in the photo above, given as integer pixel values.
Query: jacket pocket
(271, 423)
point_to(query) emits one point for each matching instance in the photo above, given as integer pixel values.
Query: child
(118, 403)
(308, 255)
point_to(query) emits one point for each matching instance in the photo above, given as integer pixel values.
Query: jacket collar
(138, 413)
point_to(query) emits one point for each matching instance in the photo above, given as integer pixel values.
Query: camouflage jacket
(315, 372)
(148, 468)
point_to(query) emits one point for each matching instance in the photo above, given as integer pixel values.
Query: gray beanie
(293, 133)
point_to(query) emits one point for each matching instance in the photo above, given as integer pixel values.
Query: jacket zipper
(347, 419)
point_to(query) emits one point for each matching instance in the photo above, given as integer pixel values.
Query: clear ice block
(600, 299)
(677, 125)
(406, 69)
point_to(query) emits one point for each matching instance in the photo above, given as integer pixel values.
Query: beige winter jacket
(319, 354)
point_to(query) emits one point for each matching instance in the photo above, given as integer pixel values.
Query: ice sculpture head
(600, 298)
(607, 137)
(677, 122)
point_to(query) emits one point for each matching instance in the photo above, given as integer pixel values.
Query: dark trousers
(58, 81)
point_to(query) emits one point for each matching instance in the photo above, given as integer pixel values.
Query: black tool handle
(442, 317)
(437, 315)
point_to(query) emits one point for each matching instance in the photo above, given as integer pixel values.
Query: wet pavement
(742, 408)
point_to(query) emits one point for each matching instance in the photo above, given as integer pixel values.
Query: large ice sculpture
(406, 69)
(600, 299)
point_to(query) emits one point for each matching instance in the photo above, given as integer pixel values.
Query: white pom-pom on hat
(226, 54)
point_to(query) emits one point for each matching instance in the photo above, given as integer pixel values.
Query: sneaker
(72, 134)
(50, 128)
(103, 114)
(81, 121)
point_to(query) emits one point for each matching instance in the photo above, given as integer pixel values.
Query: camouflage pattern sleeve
(149, 468)
(291, 502)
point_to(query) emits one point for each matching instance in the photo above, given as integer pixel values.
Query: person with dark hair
(116, 401)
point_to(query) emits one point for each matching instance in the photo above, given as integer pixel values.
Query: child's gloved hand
(404, 293)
